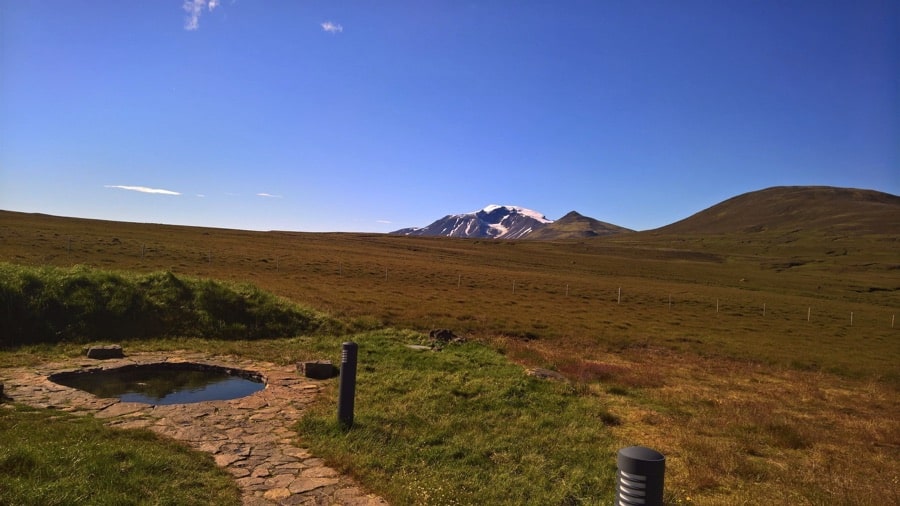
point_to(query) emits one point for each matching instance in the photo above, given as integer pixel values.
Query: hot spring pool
(164, 383)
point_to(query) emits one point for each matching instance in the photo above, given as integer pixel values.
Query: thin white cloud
(194, 9)
(201, 195)
(142, 189)
(386, 222)
(268, 195)
(330, 27)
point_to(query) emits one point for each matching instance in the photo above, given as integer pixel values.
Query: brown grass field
(762, 363)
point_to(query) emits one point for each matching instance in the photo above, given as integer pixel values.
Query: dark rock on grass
(444, 336)
(319, 369)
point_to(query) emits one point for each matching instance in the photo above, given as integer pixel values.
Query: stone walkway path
(250, 436)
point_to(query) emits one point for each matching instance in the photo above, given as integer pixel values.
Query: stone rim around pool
(251, 437)
(165, 383)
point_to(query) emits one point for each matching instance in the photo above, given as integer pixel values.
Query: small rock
(277, 494)
(239, 472)
(318, 472)
(302, 485)
(299, 453)
(121, 409)
(225, 459)
(261, 472)
(105, 352)
(319, 369)
(251, 483)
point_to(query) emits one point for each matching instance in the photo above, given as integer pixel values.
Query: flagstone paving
(250, 436)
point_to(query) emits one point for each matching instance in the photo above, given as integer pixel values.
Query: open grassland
(786, 299)
(736, 356)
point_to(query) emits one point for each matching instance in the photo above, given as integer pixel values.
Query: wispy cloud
(195, 8)
(142, 189)
(268, 195)
(386, 222)
(330, 27)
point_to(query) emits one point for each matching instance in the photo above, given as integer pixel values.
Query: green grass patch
(49, 305)
(48, 457)
(464, 426)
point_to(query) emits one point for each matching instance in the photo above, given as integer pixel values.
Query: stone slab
(105, 352)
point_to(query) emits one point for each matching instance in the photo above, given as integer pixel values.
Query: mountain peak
(493, 221)
(575, 225)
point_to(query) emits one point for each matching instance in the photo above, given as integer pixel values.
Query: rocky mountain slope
(492, 222)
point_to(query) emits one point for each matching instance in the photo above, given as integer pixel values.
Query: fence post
(347, 390)
(640, 477)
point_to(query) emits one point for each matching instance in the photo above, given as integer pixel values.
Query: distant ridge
(791, 208)
(576, 226)
(513, 222)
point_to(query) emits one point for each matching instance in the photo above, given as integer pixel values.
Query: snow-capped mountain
(492, 222)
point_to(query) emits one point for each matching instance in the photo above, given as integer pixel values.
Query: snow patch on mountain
(521, 210)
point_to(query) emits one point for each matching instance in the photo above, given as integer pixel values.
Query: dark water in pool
(163, 384)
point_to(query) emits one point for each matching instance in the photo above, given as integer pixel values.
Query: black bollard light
(347, 392)
(640, 477)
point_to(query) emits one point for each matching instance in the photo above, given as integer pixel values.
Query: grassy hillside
(738, 355)
(763, 285)
(823, 209)
(50, 305)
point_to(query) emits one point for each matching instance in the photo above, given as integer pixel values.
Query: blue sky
(374, 116)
